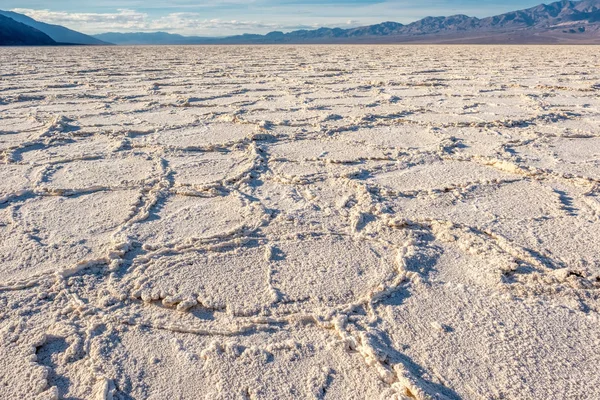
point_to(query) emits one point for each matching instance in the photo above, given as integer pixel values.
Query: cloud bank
(190, 23)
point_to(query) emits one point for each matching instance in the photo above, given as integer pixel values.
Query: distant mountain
(547, 16)
(13, 33)
(560, 22)
(563, 21)
(58, 33)
(141, 38)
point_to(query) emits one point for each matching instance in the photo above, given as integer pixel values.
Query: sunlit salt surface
(310, 222)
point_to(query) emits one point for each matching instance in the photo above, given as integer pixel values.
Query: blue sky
(229, 17)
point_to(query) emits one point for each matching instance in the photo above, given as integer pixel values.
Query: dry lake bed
(300, 222)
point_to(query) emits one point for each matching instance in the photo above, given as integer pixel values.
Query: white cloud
(133, 21)
(122, 18)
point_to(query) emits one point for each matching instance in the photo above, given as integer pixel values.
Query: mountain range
(153, 38)
(560, 22)
(566, 21)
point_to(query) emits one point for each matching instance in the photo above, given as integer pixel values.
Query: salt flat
(385, 222)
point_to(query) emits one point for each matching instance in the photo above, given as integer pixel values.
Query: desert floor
(324, 222)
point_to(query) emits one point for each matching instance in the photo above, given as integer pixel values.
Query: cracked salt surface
(300, 222)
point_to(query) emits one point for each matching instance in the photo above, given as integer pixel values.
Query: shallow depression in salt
(328, 222)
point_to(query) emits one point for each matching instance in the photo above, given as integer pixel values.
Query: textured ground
(300, 222)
